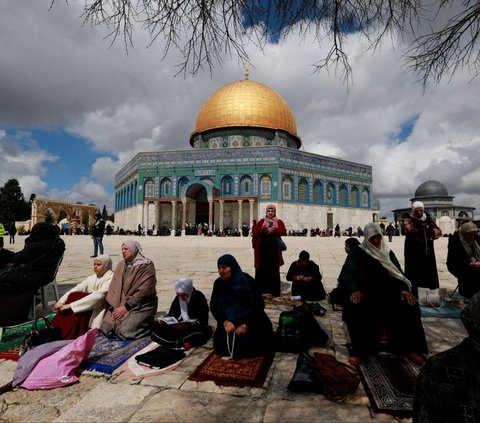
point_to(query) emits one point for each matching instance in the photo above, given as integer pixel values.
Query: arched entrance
(197, 194)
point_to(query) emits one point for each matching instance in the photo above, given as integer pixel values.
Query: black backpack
(298, 330)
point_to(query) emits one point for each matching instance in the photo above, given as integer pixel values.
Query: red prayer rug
(247, 372)
(389, 381)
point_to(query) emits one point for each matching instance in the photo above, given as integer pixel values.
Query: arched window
(354, 197)
(330, 193)
(246, 185)
(182, 183)
(227, 185)
(265, 187)
(317, 192)
(302, 190)
(365, 197)
(343, 196)
(149, 188)
(166, 187)
(287, 187)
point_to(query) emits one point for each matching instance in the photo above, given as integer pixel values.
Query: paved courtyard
(171, 397)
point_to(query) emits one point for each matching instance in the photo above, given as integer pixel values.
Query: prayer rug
(137, 371)
(247, 372)
(446, 311)
(108, 354)
(11, 337)
(389, 381)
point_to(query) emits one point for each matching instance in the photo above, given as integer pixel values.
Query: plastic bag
(58, 369)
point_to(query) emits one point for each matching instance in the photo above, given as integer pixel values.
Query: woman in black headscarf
(243, 329)
(31, 268)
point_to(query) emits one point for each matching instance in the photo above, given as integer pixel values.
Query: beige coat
(97, 288)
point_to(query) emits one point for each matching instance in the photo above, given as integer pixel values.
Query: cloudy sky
(74, 108)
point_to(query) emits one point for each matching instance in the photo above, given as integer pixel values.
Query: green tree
(13, 206)
(443, 35)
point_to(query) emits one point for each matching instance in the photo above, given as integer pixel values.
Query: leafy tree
(443, 35)
(13, 206)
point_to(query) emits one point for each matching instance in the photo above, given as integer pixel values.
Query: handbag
(430, 297)
(38, 337)
(281, 244)
(304, 378)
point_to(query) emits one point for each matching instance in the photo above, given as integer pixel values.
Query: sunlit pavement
(171, 397)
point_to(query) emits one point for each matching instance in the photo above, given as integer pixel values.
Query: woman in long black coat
(379, 303)
(243, 329)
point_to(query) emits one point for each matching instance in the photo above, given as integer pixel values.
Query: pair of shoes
(416, 358)
(354, 360)
(93, 256)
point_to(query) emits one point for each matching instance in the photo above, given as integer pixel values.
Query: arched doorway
(198, 195)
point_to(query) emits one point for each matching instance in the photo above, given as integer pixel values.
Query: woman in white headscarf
(190, 309)
(419, 251)
(85, 300)
(379, 304)
(132, 297)
(463, 259)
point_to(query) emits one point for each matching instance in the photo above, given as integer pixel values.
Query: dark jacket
(197, 308)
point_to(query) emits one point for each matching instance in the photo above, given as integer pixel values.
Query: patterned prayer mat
(247, 372)
(109, 354)
(11, 337)
(138, 371)
(446, 311)
(389, 381)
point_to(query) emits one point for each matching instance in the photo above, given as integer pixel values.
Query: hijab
(419, 205)
(471, 247)
(106, 261)
(184, 286)
(236, 297)
(382, 253)
(136, 249)
(352, 242)
(270, 222)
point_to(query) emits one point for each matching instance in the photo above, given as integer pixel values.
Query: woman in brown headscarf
(131, 298)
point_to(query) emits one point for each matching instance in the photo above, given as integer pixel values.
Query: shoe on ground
(416, 358)
(354, 360)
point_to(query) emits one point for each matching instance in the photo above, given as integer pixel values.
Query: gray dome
(431, 188)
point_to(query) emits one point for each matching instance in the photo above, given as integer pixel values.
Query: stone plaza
(171, 397)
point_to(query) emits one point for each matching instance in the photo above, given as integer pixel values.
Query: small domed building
(439, 204)
(246, 154)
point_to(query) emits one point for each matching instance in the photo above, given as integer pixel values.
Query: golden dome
(245, 104)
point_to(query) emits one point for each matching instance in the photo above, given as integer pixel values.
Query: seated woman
(463, 259)
(337, 296)
(243, 329)
(190, 310)
(378, 304)
(306, 278)
(131, 298)
(30, 268)
(83, 306)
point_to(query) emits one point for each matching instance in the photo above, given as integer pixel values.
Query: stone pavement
(171, 397)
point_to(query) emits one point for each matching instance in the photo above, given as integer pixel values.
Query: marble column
(220, 223)
(174, 218)
(240, 217)
(210, 215)
(184, 216)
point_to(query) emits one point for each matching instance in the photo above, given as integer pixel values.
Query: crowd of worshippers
(379, 301)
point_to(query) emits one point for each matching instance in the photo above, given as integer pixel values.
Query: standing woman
(420, 262)
(131, 298)
(267, 254)
(243, 329)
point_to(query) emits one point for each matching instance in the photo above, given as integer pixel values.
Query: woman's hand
(119, 313)
(65, 307)
(228, 326)
(242, 329)
(356, 297)
(57, 306)
(408, 297)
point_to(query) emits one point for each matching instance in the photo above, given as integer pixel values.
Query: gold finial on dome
(246, 72)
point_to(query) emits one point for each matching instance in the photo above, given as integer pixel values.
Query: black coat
(197, 308)
(458, 264)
